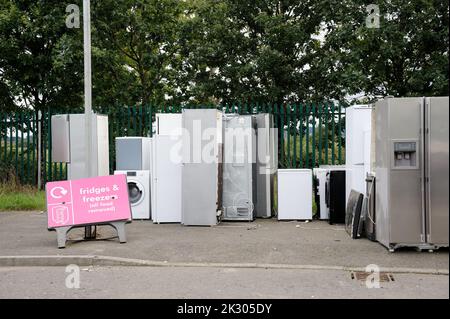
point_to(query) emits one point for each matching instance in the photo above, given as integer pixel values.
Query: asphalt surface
(206, 283)
(263, 242)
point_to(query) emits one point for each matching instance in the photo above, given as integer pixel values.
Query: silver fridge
(69, 145)
(201, 171)
(412, 172)
(266, 164)
(239, 167)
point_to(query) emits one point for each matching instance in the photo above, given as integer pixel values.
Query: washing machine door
(136, 192)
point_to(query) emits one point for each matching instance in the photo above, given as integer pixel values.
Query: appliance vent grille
(242, 211)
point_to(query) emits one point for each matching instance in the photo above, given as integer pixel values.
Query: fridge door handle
(422, 166)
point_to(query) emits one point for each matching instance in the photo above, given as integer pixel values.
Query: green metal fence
(309, 135)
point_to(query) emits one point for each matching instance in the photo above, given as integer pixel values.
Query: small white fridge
(295, 194)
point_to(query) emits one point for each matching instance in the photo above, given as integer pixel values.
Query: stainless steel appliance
(133, 153)
(69, 145)
(202, 167)
(369, 208)
(266, 164)
(239, 168)
(412, 171)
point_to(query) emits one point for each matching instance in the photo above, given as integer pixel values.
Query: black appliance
(335, 191)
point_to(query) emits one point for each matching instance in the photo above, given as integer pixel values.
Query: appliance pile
(202, 166)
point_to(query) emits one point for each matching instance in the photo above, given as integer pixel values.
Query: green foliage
(142, 39)
(203, 52)
(21, 198)
(39, 66)
(406, 56)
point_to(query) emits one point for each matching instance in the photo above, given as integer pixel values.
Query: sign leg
(120, 228)
(88, 234)
(61, 233)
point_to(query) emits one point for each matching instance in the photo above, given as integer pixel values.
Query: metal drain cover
(362, 276)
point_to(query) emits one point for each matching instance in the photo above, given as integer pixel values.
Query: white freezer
(357, 147)
(357, 121)
(166, 179)
(169, 124)
(294, 194)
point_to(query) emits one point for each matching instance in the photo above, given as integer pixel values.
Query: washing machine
(139, 193)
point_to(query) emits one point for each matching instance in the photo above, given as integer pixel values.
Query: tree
(286, 50)
(144, 34)
(406, 56)
(224, 51)
(40, 65)
(259, 50)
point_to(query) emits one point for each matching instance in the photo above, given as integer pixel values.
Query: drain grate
(362, 276)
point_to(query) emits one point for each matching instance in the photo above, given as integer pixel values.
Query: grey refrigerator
(266, 164)
(412, 172)
(201, 171)
(69, 145)
(239, 168)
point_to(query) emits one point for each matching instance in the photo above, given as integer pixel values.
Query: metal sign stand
(119, 226)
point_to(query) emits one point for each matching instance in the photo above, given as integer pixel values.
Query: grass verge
(21, 198)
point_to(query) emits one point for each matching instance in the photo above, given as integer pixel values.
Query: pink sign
(87, 201)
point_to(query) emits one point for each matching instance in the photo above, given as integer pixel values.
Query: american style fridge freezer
(412, 172)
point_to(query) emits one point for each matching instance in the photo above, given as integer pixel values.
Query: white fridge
(357, 147)
(294, 194)
(165, 169)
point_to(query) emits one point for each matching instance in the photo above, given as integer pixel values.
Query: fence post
(320, 133)
(308, 114)
(39, 165)
(289, 131)
(327, 131)
(301, 117)
(295, 163)
(333, 134)
(313, 111)
(279, 106)
(340, 134)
